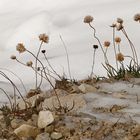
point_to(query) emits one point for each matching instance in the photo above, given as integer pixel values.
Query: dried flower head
(117, 40)
(43, 51)
(95, 46)
(44, 38)
(113, 25)
(120, 57)
(29, 63)
(20, 48)
(119, 27)
(137, 17)
(13, 57)
(119, 20)
(88, 19)
(106, 44)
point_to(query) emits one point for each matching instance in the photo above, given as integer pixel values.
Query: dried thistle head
(106, 44)
(20, 48)
(117, 40)
(44, 38)
(13, 57)
(95, 46)
(88, 19)
(29, 63)
(119, 26)
(137, 17)
(120, 57)
(120, 20)
(113, 25)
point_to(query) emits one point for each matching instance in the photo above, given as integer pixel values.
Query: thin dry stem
(93, 63)
(46, 77)
(7, 97)
(52, 67)
(114, 46)
(36, 62)
(67, 56)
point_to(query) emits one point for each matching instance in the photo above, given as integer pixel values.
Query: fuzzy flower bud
(13, 57)
(117, 40)
(88, 19)
(44, 38)
(119, 20)
(106, 44)
(113, 25)
(29, 63)
(120, 57)
(95, 46)
(20, 48)
(119, 27)
(43, 51)
(137, 17)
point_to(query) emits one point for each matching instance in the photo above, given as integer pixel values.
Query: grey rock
(15, 123)
(56, 136)
(43, 136)
(45, 118)
(26, 131)
(85, 88)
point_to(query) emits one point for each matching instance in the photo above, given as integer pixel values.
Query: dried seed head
(29, 63)
(119, 27)
(120, 57)
(119, 20)
(43, 51)
(106, 44)
(44, 38)
(20, 48)
(117, 40)
(13, 57)
(88, 19)
(113, 25)
(137, 17)
(95, 46)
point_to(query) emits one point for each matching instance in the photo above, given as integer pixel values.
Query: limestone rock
(85, 88)
(67, 100)
(45, 118)
(120, 95)
(26, 131)
(30, 102)
(43, 136)
(34, 119)
(56, 136)
(15, 123)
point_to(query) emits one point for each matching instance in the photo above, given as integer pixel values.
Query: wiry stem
(37, 61)
(47, 77)
(93, 63)
(119, 50)
(7, 97)
(115, 47)
(17, 77)
(34, 69)
(51, 66)
(131, 45)
(132, 59)
(67, 56)
(15, 87)
(106, 60)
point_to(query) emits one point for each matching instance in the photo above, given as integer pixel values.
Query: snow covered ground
(24, 20)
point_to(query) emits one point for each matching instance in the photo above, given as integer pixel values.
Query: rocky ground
(90, 110)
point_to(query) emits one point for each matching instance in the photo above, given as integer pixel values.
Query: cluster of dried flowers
(119, 56)
(21, 49)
